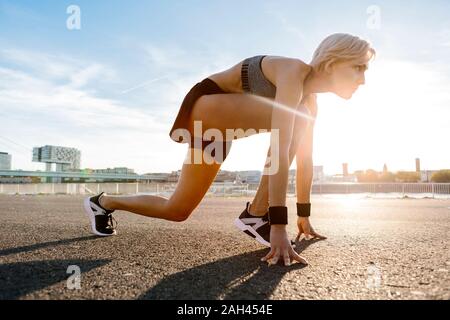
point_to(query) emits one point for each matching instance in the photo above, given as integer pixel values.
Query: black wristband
(278, 215)
(303, 209)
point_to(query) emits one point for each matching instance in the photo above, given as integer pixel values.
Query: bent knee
(179, 214)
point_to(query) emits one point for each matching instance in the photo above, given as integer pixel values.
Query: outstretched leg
(194, 182)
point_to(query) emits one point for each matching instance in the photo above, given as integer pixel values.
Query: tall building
(5, 161)
(417, 165)
(65, 158)
(345, 169)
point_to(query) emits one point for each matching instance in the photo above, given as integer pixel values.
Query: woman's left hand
(305, 227)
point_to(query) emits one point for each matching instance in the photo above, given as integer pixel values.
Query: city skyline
(344, 169)
(112, 88)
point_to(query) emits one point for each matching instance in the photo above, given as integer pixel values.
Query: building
(425, 175)
(225, 176)
(66, 159)
(119, 170)
(251, 176)
(318, 175)
(417, 165)
(16, 180)
(345, 169)
(109, 171)
(161, 176)
(174, 176)
(5, 161)
(339, 178)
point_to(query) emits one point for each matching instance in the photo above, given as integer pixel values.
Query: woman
(261, 93)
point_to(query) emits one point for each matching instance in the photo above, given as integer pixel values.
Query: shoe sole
(91, 215)
(243, 227)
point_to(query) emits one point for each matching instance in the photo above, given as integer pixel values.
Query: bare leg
(216, 111)
(194, 182)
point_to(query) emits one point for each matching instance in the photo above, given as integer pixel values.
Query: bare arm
(289, 93)
(305, 176)
(304, 159)
(304, 183)
(288, 96)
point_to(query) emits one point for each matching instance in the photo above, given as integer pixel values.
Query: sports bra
(253, 79)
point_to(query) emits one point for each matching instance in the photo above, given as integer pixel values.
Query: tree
(407, 176)
(441, 176)
(367, 176)
(387, 177)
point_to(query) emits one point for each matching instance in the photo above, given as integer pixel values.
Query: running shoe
(256, 227)
(102, 222)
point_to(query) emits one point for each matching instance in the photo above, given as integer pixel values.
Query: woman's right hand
(281, 248)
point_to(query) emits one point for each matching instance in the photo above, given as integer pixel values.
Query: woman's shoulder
(287, 61)
(283, 64)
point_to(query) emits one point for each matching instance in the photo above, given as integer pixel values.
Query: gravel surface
(376, 249)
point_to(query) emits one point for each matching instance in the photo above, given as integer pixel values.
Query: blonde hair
(339, 47)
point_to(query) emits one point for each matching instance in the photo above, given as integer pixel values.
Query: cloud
(24, 93)
(142, 85)
(168, 58)
(76, 73)
(275, 12)
(289, 27)
(173, 71)
(444, 37)
(46, 65)
(82, 77)
(60, 106)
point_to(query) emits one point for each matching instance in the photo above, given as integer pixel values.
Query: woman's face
(347, 76)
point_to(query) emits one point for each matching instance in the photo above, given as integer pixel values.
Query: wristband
(278, 215)
(303, 209)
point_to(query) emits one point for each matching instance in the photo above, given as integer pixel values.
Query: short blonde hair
(339, 47)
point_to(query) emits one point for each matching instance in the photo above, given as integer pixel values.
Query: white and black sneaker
(256, 227)
(102, 221)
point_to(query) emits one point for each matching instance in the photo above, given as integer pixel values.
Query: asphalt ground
(376, 249)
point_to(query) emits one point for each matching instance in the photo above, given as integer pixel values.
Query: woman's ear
(329, 67)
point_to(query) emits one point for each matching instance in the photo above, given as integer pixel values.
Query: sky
(112, 85)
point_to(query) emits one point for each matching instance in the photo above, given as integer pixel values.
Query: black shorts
(205, 87)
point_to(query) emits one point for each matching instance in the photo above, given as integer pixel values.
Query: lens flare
(281, 106)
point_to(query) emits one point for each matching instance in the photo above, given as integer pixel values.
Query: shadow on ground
(239, 277)
(44, 245)
(21, 278)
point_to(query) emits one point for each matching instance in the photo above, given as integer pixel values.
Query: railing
(400, 188)
(222, 189)
(225, 189)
